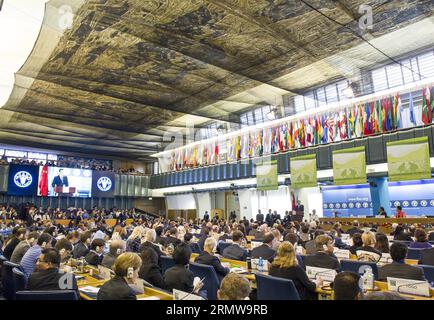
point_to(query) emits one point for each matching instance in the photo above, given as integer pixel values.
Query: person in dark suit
(255, 233)
(310, 246)
(117, 247)
(398, 268)
(346, 286)
(234, 251)
(265, 250)
(427, 257)
(94, 256)
(354, 229)
(207, 257)
(60, 180)
(285, 266)
(299, 208)
(226, 234)
(173, 237)
(150, 239)
(47, 275)
(126, 269)
(205, 234)
(81, 248)
(159, 238)
(18, 235)
(268, 218)
(401, 235)
(260, 217)
(150, 271)
(179, 277)
(324, 258)
(206, 216)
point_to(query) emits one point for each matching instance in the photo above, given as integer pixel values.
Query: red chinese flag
(43, 182)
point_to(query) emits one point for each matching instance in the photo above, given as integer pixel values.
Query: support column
(379, 188)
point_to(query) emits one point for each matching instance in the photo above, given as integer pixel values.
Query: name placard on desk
(315, 272)
(406, 286)
(342, 253)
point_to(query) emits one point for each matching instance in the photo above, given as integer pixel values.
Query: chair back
(359, 267)
(221, 246)
(273, 288)
(20, 279)
(413, 253)
(427, 257)
(166, 263)
(195, 248)
(211, 281)
(8, 279)
(428, 272)
(47, 295)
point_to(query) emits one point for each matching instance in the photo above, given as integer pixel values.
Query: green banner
(408, 159)
(303, 171)
(266, 175)
(349, 166)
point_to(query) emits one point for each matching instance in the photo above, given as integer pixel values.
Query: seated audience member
(226, 234)
(367, 252)
(254, 232)
(134, 240)
(431, 236)
(357, 242)
(28, 262)
(381, 242)
(150, 271)
(285, 266)
(305, 236)
(23, 246)
(204, 235)
(234, 251)
(47, 275)
(179, 277)
(346, 286)
(293, 238)
(277, 237)
(82, 247)
(126, 269)
(383, 295)
(117, 247)
(338, 243)
(150, 242)
(398, 268)
(207, 257)
(427, 257)
(159, 238)
(64, 247)
(324, 258)
(18, 235)
(94, 256)
(173, 237)
(310, 245)
(401, 235)
(421, 240)
(354, 229)
(265, 250)
(234, 287)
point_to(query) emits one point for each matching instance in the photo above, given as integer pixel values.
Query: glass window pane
(309, 101)
(426, 64)
(332, 94)
(299, 104)
(394, 75)
(15, 153)
(52, 156)
(379, 79)
(321, 97)
(407, 71)
(37, 155)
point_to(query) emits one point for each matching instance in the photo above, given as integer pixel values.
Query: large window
(258, 115)
(321, 96)
(408, 70)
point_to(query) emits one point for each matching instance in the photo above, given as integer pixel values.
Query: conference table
(384, 224)
(66, 222)
(87, 279)
(323, 293)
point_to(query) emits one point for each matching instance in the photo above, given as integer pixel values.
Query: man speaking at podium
(60, 180)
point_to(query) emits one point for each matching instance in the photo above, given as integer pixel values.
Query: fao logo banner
(23, 179)
(104, 183)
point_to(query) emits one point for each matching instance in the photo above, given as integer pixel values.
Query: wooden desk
(92, 281)
(382, 286)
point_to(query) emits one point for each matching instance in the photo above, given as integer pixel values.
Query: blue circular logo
(23, 179)
(104, 183)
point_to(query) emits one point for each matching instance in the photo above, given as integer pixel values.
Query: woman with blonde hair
(285, 266)
(135, 239)
(121, 286)
(368, 252)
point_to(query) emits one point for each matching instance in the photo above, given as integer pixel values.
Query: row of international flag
(355, 121)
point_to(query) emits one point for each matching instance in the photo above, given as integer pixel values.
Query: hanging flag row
(355, 121)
